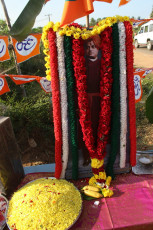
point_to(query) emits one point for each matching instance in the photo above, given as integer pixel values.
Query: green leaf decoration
(85, 197)
(24, 23)
(149, 106)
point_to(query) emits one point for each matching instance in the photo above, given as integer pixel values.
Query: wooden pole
(87, 21)
(14, 55)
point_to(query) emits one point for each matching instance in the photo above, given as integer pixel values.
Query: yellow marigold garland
(76, 33)
(96, 163)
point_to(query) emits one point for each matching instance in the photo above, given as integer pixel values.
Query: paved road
(143, 57)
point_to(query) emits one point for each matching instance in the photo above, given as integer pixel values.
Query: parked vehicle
(145, 36)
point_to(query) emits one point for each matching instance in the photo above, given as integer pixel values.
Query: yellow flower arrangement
(76, 35)
(102, 175)
(44, 204)
(108, 181)
(77, 32)
(95, 163)
(107, 192)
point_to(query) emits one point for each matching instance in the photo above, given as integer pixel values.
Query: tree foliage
(94, 22)
(151, 14)
(3, 28)
(24, 23)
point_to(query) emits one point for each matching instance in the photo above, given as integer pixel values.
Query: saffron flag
(22, 79)
(27, 48)
(46, 1)
(123, 2)
(4, 53)
(137, 87)
(138, 75)
(74, 9)
(3, 85)
(109, 1)
(139, 22)
(45, 84)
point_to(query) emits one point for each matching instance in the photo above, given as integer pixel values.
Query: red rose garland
(131, 93)
(56, 102)
(105, 90)
(105, 94)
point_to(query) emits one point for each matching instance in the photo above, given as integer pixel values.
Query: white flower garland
(64, 104)
(123, 95)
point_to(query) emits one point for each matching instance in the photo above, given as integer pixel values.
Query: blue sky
(54, 8)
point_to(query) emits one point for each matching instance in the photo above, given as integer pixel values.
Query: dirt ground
(143, 57)
(43, 152)
(36, 150)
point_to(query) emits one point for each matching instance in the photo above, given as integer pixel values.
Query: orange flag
(74, 9)
(109, 1)
(3, 85)
(46, 1)
(27, 48)
(22, 79)
(4, 54)
(137, 87)
(123, 2)
(45, 84)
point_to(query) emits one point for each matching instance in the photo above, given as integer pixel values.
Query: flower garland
(123, 95)
(131, 93)
(71, 105)
(105, 93)
(96, 153)
(77, 33)
(56, 103)
(63, 94)
(115, 120)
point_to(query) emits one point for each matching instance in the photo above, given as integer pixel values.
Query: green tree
(92, 22)
(151, 14)
(37, 30)
(3, 28)
(99, 19)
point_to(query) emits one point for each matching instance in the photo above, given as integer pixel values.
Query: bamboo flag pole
(87, 21)
(14, 55)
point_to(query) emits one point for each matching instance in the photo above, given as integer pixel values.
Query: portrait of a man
(93, 63)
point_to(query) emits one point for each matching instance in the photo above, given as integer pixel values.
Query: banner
(137, 88)
(3, 85)
(27, 48)
(22, 79)
(140, 22)
(45, 84)
(138, 75)
(4, 53)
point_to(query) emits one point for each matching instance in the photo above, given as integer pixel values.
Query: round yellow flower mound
(44, 204)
